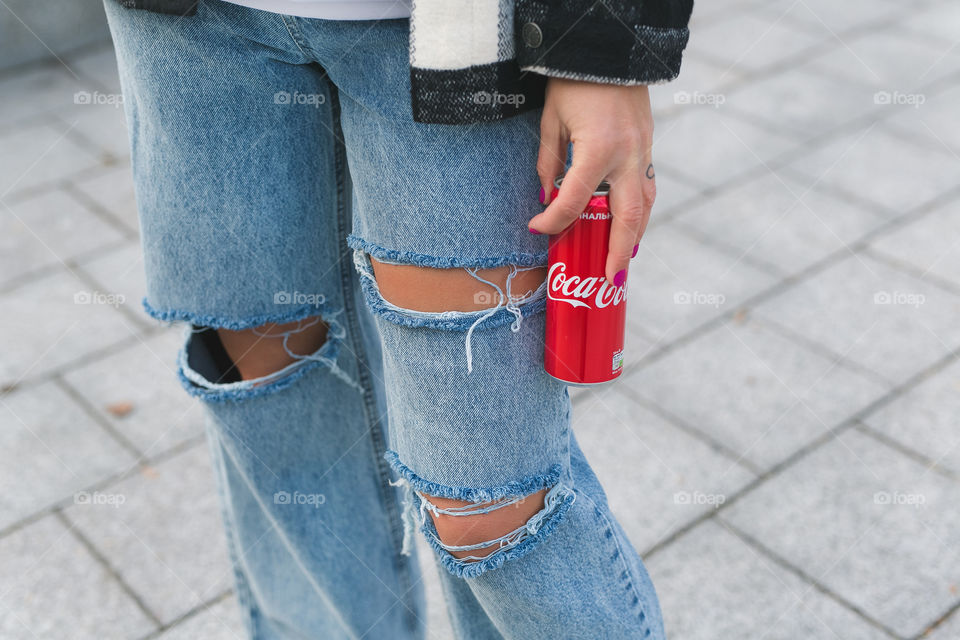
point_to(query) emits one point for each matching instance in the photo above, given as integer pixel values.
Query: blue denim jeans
(273, 156)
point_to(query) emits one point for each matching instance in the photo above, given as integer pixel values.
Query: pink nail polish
(636, 248)
(533, 231)
(620, 278)
(543, 196)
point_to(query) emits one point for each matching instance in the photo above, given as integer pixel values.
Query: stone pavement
(783, 449)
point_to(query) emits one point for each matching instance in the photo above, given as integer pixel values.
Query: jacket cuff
(613, 41)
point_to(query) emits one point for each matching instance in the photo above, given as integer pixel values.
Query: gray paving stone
(926, 418)
(700, 82)
(144, 376)
(736, 146)
(55, 320)
(939, 20)
(713, 585)
(96, 110)
(707, 13)
(803, 102)
(852, 164)
(867, 522)
(828, 17)
(98, 64)
(219, 622)
(932, 243)
(121, 271)
(54, 588)
(676, 284)
(751, 42)
(779, 223)
(113, 190)
(890, 60)
(934, 120)
(49, 450)
(876, 316)
(34, 32)
(657, 477)
(673, 194)
(166, 539)
(36, 92)
(102, 123)
(45, 230)
(637, 345)
(759, 394)
(948, 630)
(40, 153)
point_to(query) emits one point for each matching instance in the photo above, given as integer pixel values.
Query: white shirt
(333, 9)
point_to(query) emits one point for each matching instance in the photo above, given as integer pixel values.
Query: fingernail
(543, 195)
(636, 248)
(620, 278)
(533, 231)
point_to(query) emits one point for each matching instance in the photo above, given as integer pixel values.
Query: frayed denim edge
(461, 321)
(445, 320)
(472, 569)
(496, 559)
(218, 322)
(514, 488)
(246, 392)
(423, 260)
(325, 356)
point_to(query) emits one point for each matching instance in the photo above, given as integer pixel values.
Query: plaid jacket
(478, 60)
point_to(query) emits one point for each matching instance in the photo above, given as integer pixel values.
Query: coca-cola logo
(574, 290)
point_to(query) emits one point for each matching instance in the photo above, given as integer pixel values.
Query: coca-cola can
(586, 315)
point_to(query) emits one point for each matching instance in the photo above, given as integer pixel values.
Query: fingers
(578, 186)
(552, 158)
(631, 199)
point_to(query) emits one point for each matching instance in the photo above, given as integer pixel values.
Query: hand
(611, 128)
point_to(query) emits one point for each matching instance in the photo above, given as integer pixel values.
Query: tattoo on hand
(650, 174)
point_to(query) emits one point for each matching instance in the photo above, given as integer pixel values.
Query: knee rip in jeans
(473, 504)
(206, 370)
(492, 305)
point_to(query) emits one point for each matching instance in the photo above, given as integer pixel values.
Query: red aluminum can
(586, 315)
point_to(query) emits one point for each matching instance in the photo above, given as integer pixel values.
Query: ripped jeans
(274, 158)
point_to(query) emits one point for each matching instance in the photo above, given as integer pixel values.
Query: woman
(295, 159)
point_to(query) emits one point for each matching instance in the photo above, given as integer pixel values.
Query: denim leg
(305, 508)
(482, 423)
(467, 616)
(243, 197)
